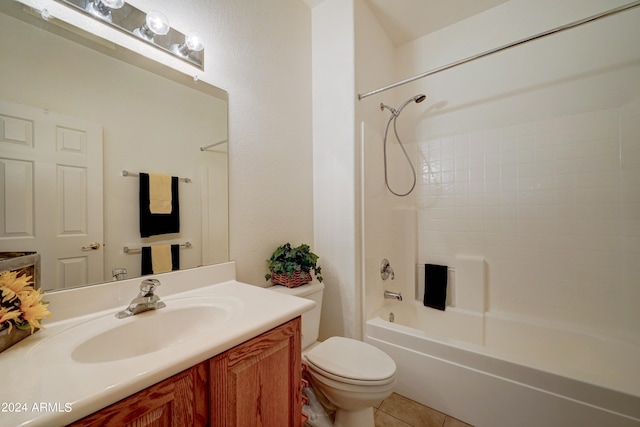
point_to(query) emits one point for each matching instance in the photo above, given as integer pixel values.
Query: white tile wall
(554, 208)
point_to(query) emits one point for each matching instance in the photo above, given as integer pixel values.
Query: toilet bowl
(353, 376)
(350, 375)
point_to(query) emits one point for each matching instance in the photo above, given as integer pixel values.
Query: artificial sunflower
(12, 285)
(33, 309)
(21, 304)
(6, 315)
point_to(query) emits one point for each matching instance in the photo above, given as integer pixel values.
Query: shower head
(417, 99)
(395, 113)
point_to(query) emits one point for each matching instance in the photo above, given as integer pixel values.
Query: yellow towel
(161, 258)
(159, 193)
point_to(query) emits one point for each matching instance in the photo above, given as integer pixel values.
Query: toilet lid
(348, 358)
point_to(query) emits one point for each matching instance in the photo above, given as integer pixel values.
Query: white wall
(530, 159)
(260, 52)
(334, 163)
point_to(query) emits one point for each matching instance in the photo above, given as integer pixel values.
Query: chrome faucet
(393, 295)
(119, 273)
(145, 301)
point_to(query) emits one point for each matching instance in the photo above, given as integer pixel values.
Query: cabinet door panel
(257, 384)
(261, 383)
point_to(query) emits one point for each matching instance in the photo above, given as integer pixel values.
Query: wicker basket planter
(292, 267)
(297, 279)
(7, 339)
(25, 264)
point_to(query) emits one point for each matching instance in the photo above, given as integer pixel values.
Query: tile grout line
(396, 418)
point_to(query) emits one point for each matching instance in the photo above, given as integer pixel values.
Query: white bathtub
(494, 371)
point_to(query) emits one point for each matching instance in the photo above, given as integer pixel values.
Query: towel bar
(128, 250)
(127, 173)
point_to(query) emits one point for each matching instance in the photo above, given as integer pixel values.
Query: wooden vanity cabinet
(256, 383)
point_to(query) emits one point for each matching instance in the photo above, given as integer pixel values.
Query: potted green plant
(292, 266)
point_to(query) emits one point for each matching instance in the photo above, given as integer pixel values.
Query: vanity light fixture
(156, 23)
(102, 8)
(152, 27)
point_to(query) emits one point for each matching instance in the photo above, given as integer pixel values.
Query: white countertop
(43, 386)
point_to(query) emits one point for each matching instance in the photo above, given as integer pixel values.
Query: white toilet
(352, 375)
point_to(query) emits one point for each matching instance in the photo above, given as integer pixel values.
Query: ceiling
(406, 20)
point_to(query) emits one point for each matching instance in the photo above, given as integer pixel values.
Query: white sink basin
(149, 332)
(109, 339)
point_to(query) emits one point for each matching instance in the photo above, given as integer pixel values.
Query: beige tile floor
(398, 411)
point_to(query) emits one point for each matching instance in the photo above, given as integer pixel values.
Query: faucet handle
(148, 286)
(386, 270)
(119, 273)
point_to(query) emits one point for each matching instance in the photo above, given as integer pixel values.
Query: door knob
(92, 246)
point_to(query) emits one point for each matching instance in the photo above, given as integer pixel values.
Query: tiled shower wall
(554, 208)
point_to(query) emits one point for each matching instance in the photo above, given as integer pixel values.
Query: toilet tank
(310, 319)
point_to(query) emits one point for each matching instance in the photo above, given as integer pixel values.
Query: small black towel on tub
(435, 286)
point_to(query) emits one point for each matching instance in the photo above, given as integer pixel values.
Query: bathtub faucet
(393, 295)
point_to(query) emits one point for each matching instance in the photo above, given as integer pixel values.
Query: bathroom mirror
(82, 91)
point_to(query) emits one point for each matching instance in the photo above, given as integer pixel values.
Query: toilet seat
(319, 372)
(352, 362)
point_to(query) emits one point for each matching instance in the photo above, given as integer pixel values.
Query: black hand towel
(147, 261)
(154, 224)
(435, 286)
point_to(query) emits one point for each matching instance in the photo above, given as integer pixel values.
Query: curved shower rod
(504, 47)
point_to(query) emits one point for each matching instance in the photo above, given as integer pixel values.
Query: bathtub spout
(393, 295)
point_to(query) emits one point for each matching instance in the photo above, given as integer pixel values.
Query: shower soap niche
(470, 284)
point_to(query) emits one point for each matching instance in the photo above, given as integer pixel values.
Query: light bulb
(102, 8)
(158, 22)
(194, 41)
(155, 24)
